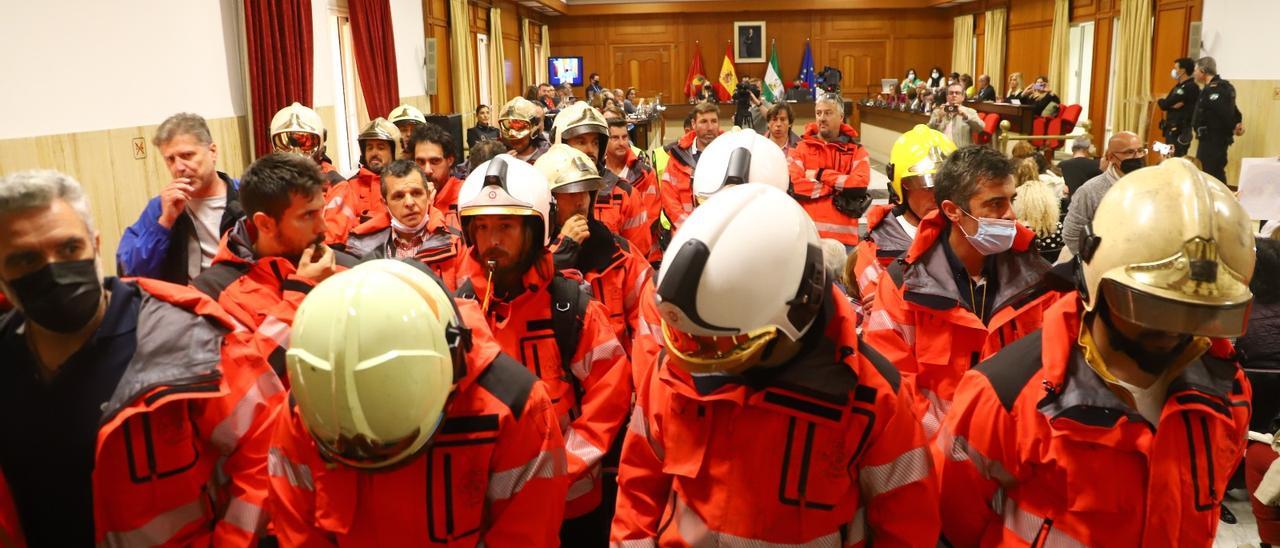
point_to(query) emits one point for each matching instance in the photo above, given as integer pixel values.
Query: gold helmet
(373, 358)
(518, 119)
(298, 130)
(379, 129)
(568, 169)
(918, 154)
(1171, 249)
(406, 117)
(581, 119)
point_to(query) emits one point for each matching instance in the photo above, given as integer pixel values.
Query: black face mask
(61, 297)
(1132, 164)
(1153, 363)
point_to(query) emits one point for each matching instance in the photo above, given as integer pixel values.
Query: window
(482, 71)
(1080, 66)
(343, 147)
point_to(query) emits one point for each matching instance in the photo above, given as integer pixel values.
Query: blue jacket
(150, 250)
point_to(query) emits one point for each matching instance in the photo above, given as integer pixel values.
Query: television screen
(565, 70)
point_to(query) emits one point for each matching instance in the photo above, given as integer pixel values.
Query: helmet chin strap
(1153, 363)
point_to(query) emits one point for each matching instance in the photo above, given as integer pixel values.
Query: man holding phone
(956, 121)
(269, 260)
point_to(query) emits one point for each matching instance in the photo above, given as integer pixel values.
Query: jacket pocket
(458, 480)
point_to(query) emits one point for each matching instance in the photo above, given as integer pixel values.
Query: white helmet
(739, 157)
(506, 185)
(372, 359)
(746, 266)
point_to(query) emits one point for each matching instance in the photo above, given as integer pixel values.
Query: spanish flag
(728, 80)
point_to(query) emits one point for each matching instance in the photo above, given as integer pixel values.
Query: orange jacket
(599, 370)
(885, 242)
(822, 451)
(617, 276)
(952, 339)
(640, 175)
(350, 203)
(819, 170)
(330, 173)
(10, 527)
(620, 207)
(440, 249)
(1039, 451)
(676, 188)
(485, 477)
(446, 201)
(181, 453)
(260, 293)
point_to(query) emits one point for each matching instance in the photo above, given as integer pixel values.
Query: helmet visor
(515, 128)
(712, 353)
(361, 452)
(406, 126)
(1174, 316)
(300, 142)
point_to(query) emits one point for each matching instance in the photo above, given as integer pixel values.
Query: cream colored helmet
(406, 117)
(518, 119)
(506, 185)
(297, 129)
(739, 157)
(744, 268)
(379, 129)
(581, 119)
(1171, 249)
(568, 169)
(372, 360)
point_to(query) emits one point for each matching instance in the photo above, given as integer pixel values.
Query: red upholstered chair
(990, 121)
(1063, 124)
(1039, 126)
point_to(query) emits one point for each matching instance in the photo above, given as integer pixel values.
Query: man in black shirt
(1216, 119)
(1178, 107)
(1081, 167)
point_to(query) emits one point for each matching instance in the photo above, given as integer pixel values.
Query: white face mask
(1174, 73)
(406, 229)
(993, 236)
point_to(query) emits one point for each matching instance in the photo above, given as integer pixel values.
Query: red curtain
(278, 35)
(375, 52)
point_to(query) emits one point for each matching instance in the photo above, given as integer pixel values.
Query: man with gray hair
(1216, 119)
(97, 369)
(176, 236)
(830, 173)
(1081, 167)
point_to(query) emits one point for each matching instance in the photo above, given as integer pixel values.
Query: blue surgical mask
(993, 236)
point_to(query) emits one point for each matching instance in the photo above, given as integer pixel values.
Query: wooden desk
(804, 111)
(641, 130)
(879, 128)
(1021, 117)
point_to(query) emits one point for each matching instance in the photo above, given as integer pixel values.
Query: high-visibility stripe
(840, 180)
(635, 543)
(869, 274)
(1032, 528)
(935, 412)
(335, 203)
(545, 465)
(880, 320)
(636, 221)
(909, 467)
(275, 329)
(957, 449)
(837, 228)
(245, 515)
(583, 487)
(633, 294)
(160, 529)
(856, 530)
(580, 447)
(696, 532)
(279, 466)
(226, 435)
(609, 351)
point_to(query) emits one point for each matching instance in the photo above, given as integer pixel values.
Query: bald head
(1122, 146)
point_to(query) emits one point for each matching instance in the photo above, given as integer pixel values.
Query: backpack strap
(569, 300)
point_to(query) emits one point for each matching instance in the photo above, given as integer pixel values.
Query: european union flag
(806, 71)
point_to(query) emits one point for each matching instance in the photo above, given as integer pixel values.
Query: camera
(951, 109)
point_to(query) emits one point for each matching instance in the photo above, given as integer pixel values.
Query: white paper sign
(1260, 187)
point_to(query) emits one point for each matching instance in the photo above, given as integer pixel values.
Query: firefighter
(411, 228)
(1120, 422)
(969, 284)
(547, 321)
(406, 118)
(675, 188)
(766, 421)
(411, 427)
(520, 128)
(299, 130)
(432, 149)
(913, 161)
(618, 204)
(139, 413)
(625, 162)
(739, 157)
(830, 172)
(358, 199)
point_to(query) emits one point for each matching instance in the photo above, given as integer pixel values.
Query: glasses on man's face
(1133, 152)
(949, 93)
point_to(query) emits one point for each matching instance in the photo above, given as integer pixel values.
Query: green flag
(773, 88)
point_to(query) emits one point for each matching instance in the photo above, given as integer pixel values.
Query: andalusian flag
(728, 78)
(774, 90)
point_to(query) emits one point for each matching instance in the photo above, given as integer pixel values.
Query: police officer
(1178, 106)
(1216, 118)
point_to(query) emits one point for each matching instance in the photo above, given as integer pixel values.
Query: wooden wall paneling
(1172, 27)
(1101, 77)
(1255, 99)
(435, 24)
(980, 51)
(862, 62)
(642, 66)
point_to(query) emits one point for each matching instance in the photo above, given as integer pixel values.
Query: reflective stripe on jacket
(821, 169)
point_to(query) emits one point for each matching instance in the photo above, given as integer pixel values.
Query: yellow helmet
(917, 153)
(518, 119)
(299, 130)
(568, 169)
(373, 357)
(580, 119)
(1171, 249)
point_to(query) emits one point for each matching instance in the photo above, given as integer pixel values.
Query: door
(646, 67)
(862, 63)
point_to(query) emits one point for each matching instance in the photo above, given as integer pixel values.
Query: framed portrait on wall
(748, 41)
